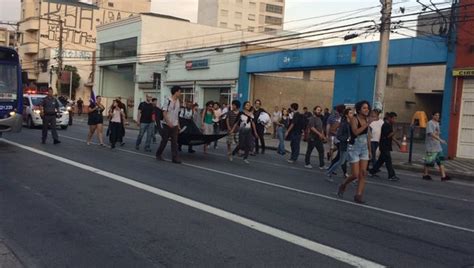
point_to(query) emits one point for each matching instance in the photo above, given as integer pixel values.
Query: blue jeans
(149, 129)
(295, 146)
(342, 159)
(374, 145)
(281, 137)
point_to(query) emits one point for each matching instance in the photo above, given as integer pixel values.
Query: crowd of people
(353, 135)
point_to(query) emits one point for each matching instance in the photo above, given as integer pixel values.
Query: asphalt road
(89, 206)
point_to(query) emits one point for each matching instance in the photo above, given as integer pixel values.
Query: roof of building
(163, 16)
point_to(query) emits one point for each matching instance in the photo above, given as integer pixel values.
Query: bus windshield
(8, 79)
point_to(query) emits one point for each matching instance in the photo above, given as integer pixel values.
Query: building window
(252, 17)
(252, 5)
(118, 49)
(251, 29)
(223, 24)
(238, 26)
(267, 29)
(274, 9)
(224, 13)
(43, 65)
(187, 95)
(273, 20)
(238, 2)
(238, 15)
(110, 4)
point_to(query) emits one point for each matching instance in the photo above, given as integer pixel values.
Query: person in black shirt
(80, 105)
(145, 122)
(385, 147)
(295, 131)
(259, 126)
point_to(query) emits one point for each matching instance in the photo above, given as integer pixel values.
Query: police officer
(49, 109)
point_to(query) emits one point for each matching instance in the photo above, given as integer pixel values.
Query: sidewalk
(457, 168)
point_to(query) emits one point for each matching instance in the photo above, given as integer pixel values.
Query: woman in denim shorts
(359, 150)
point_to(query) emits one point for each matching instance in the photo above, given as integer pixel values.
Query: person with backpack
(186, 115)
(316, 137)
(294, 132)
(232, 117)
(344, 136)
(359, 150)
(145, 123)
(245, 123)
(385, 146)
(258, 110)
(116, 118)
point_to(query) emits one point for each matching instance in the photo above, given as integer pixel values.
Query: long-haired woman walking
(359, 150)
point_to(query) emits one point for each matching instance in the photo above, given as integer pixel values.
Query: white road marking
(283, 235)
(312, 194)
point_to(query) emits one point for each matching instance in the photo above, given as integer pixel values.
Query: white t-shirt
(376, 130)
(217, 116)
(276, 117)
(172, 107)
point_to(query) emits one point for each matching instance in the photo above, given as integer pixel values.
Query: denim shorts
(359, 150)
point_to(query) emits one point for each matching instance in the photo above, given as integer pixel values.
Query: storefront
(205, 76)
(464, 109)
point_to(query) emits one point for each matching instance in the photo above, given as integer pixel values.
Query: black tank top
(353, 136)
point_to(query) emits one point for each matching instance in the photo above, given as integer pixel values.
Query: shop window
(118, 49)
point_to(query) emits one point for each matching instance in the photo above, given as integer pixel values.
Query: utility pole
(60, 54)
(382, 66)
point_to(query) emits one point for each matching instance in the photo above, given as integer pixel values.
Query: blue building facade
(355, 66)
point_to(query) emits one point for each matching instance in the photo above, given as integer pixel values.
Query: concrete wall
(282, 90)
(208, 12)
(402, 97)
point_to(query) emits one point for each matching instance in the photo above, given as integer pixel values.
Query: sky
(295, 10)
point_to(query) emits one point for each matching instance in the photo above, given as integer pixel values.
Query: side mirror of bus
(24, 78)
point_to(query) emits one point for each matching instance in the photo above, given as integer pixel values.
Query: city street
(74, 205)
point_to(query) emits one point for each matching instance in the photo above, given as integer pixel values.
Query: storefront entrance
(466, 131)
(219, 94)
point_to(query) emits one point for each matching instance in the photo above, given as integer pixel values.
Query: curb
(415, 168)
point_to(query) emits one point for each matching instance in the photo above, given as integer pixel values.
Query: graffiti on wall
(79, 22)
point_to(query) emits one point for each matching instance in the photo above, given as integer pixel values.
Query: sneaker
(322, 167)
(329, 178)
(427, 177)
(346, 175)
(191, 151)
(122, 144)
(57, 142)
(394, 178)
(308, 166)
(231, 158)
(446, 178)
(176, 161)
(291, 161)
(246, 161)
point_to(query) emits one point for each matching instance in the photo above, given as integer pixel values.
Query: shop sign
(197, 64)
(466, 72)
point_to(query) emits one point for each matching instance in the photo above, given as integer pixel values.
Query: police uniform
(50, 108)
